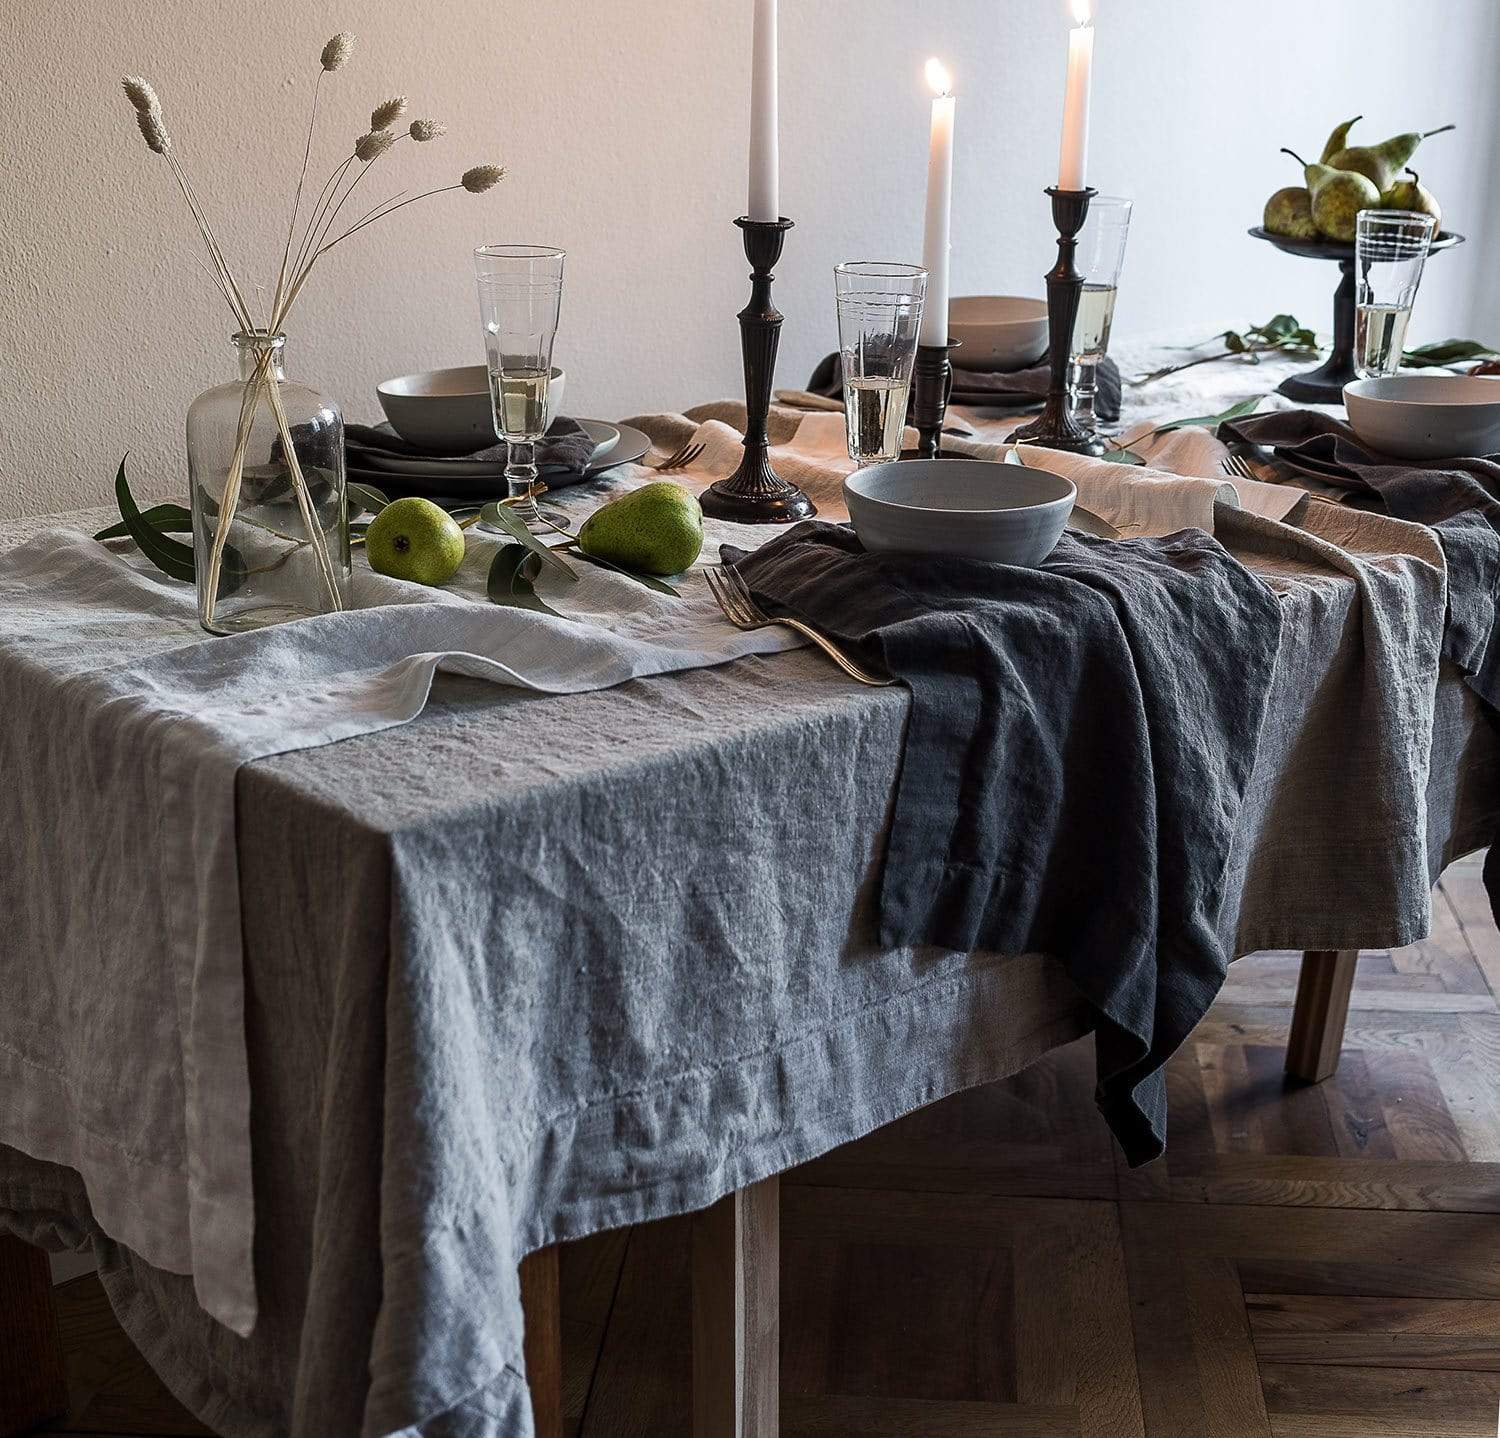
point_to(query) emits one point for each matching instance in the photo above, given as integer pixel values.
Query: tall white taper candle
(765, 189)
(1075, 131)
(937, 229)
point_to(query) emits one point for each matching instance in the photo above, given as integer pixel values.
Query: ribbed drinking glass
(880, 313)
(1390, 249)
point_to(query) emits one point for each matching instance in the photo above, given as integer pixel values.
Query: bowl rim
(384, 386)
(1037, 316)
(1068, 496)
(1363, 396)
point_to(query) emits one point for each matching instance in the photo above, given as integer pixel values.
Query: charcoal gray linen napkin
(567, 447)
(1006, 389)
(1459, 499)
(1080, 741)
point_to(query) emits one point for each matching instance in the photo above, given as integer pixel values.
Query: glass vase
(270, 524)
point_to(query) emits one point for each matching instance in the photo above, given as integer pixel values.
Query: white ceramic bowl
(973, 508)
(1426, 416)
(448, 411)
(998, 332)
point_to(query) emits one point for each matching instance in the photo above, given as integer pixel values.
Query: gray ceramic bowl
(973, 508)
(448, 411)
(998, 332)
(1426, 416)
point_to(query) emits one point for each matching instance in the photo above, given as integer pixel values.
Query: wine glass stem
(1081, 388)
(520, 478)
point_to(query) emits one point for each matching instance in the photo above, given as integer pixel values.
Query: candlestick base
(932, 385)
(755, 493)
(1055, 427)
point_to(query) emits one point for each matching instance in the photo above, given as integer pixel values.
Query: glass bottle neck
(254, 346)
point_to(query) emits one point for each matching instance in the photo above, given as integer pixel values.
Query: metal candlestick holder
(755, 493)
(1055, 427)
(932, 384)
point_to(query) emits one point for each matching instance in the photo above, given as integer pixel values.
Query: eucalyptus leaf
(169, 518)
(1121, 456)
(512, 579)
(367, 497)
(502, 517)
(1446, 352)
(168, 555)
(1210, 421)
(649, 580)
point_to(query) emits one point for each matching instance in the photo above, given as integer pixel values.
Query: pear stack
(1347, 179)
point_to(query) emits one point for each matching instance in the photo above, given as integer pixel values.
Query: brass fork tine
(743, 595)
(736, 609)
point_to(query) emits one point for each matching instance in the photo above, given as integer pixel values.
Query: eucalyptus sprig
(1281, 334)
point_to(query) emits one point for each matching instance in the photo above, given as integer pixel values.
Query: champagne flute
(520, 298)
(1390, 249)
(880, 313)
(1101, 256)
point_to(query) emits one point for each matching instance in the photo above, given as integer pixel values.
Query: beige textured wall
(624, 125)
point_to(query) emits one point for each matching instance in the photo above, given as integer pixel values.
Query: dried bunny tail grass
(338, 50)
(153, 130)
(481, 178)
(424, 130)
(141, 95)
(382, 117)
(374, 145)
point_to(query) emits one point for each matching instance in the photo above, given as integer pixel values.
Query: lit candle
(765, 196)
(935, 241)
(1075, 130)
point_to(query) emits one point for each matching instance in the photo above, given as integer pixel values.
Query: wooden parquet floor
(1307, 1262)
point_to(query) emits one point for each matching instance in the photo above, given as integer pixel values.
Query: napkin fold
(977, 387)
(566, 448)
(1459, 499)
(1080, 742)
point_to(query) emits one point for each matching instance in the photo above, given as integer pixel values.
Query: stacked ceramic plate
(443, 440)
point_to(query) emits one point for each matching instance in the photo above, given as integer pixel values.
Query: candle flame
(1082, 13)
(938, 77)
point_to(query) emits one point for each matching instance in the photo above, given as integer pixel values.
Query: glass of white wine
(880, 312)
(1100, 258)
(1390, 249)
(520, 299)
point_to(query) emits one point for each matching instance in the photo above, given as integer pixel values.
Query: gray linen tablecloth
(530, 967)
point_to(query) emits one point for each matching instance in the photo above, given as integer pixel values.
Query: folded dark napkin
(567, 447)
(1080, 741)
(978, 388)
(1459, 499)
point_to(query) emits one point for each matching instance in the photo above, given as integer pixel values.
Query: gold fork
(680, 458)
(743, 612)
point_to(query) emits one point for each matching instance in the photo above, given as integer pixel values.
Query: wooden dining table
(761, 792)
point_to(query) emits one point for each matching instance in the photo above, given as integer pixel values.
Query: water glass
(1100, 257)
(880, 312)
(1390, 248)
(520, 298)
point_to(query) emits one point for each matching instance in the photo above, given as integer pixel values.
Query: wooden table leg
(1312, 1050)
(541, 1304)
(737, 1315)
(33, 1384)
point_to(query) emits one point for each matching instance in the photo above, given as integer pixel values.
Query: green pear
(1383, 162)
(1337, 197)
(1289, 212)
(1413, 195)
(656, 529)
(1337, 140)
(413, 539)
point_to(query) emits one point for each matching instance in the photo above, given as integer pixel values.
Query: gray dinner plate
(456, 489)
(606, 439)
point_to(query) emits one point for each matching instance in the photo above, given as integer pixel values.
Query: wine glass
(520, 298)
(1101, 256)
(880, 313)
(1390, 249)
